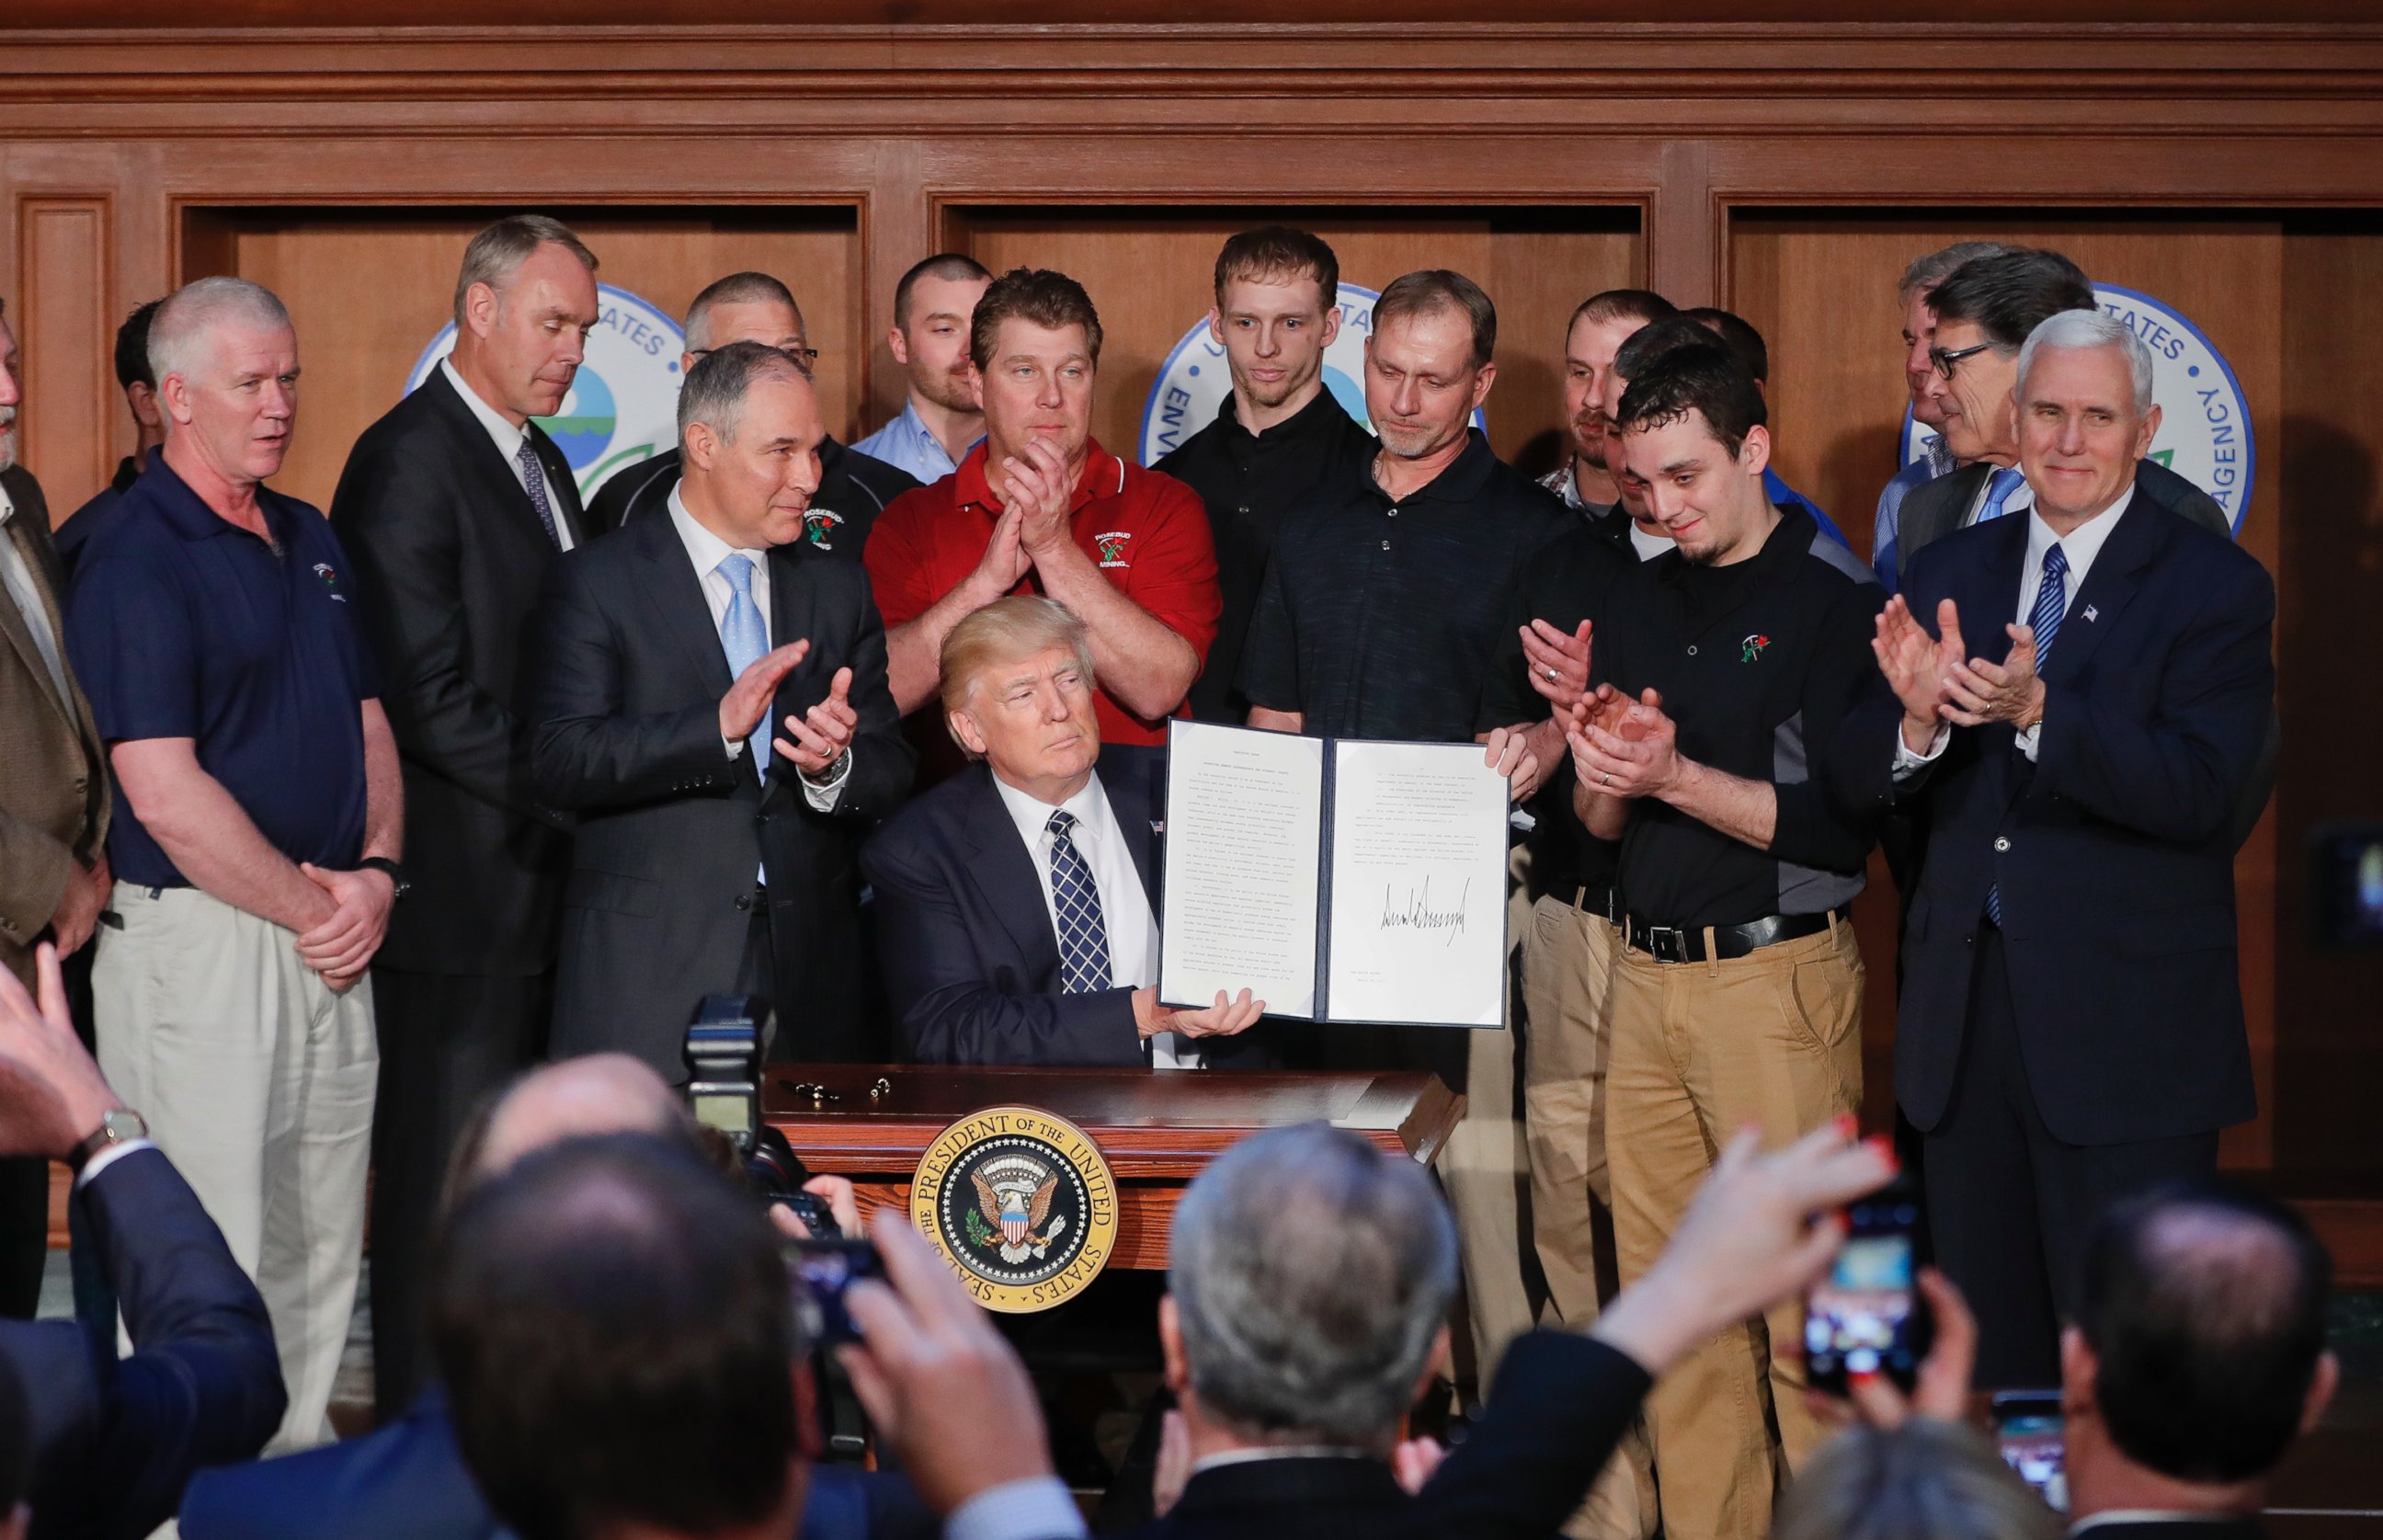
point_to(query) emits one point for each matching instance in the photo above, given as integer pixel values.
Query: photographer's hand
(942, 1386)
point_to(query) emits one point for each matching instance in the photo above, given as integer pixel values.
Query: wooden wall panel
(1151, 274)
(2330, 1003)
(66, 328)
(1820, 285)
(369, 290)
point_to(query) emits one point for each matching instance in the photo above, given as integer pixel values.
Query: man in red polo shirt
(1039, 507)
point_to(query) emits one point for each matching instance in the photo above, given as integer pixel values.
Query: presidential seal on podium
(1020, 1203)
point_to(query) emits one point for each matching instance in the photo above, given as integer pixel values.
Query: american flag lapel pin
(2092, 613)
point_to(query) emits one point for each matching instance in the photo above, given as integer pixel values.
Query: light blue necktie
(2051, 604)
(745, 639)
(1083, 936)
(1999, 487)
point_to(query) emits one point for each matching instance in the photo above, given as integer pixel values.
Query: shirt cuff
(2027, 740)
(1037, 1507)
(733, 746)
(107, 1157)
(1907, 764)
(823, 797)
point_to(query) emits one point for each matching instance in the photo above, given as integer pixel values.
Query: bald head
(603, 1093)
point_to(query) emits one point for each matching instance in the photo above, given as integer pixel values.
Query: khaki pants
(257, 1081)
(1699, 1050)
(1567, 965)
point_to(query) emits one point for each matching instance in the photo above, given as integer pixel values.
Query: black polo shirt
(182, 624)
(1252, 481)
(1569, 582)
(854, 488)
(1758, 661)
(1380, 619)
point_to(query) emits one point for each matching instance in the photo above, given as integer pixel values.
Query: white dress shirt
(508, 440)
(2080, 546)
(1125, 907)
(707, 551)
(17, 577)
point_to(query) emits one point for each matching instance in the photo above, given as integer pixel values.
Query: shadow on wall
(2332, 542)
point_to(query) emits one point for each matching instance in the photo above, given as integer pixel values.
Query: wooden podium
(1157, 1130)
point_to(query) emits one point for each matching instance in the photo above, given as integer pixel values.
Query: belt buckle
(1667, 944)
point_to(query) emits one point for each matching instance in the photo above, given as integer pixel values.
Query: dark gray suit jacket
(624, 707)
(1936, 509)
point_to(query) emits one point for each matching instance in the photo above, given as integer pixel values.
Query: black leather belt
(1670, 944)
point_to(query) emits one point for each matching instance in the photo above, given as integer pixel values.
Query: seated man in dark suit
(710, 696)
(665, 1393)
(1310, 1282)
(2197, 1358)
(407, 1481)
(1018, 920)
(114, 1441)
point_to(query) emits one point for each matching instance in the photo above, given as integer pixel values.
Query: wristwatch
(121, 1126)
(397, 883)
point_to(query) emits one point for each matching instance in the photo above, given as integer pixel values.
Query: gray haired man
(255, 830)
(1310, 1283)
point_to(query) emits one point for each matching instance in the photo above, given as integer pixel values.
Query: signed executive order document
(1339, 879)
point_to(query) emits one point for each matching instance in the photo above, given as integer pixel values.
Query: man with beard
(1599, 329)
(944, 412)
(1279, 438)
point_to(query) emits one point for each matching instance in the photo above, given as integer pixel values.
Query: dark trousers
(448, 1041)
(2009, 1204)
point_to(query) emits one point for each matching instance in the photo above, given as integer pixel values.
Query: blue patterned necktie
(1999, 487)
(1084, 937)
(534, 482)
(745, 639)
(2051, 604)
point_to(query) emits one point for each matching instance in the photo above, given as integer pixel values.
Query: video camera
(724, 1044)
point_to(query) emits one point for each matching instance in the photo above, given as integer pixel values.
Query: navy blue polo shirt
(180, 624)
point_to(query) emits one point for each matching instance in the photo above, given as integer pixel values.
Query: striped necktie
(2051, 604)
(1999, 487)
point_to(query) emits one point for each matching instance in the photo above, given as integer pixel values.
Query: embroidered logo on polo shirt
(330, 581)
(1112, 546)
(1750, 648)
(819, 524)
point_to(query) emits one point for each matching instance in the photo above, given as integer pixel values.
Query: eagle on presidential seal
(1014, 1195)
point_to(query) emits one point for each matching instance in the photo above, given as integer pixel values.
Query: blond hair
(1007, 631)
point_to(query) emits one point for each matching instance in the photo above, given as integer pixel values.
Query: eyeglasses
(806, 359)
(1944, 361)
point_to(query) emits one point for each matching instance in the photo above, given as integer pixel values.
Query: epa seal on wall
(623, 406)
(2204, 432)
(1194, 380)
(1020, 1203)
